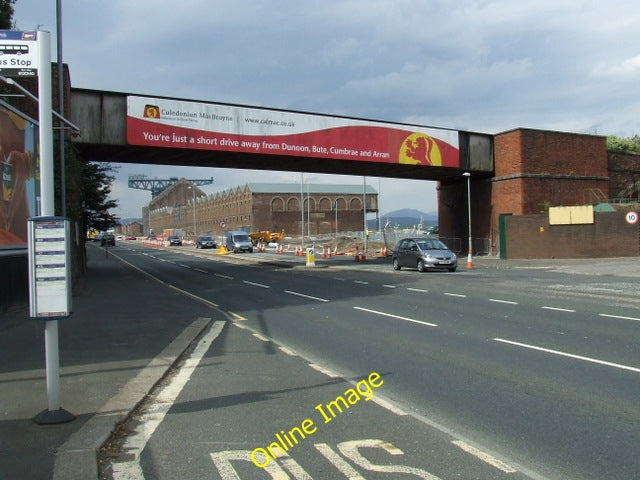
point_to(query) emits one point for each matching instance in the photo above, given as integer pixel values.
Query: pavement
(116, 346)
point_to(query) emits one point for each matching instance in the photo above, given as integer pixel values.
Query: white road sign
(19, 53)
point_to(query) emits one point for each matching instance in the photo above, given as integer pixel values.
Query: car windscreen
(431, 245)
(241, 238)
(204, 239)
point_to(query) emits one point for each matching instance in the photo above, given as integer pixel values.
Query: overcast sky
(484, 66)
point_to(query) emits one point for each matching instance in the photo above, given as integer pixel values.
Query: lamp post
(469, 257)
(193, 191)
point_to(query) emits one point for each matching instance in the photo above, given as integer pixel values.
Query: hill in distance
(408, 217)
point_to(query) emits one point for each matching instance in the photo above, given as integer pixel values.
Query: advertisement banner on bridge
(182, 124)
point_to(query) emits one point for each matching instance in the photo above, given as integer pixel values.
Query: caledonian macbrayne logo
(420, 149)
(151, 111)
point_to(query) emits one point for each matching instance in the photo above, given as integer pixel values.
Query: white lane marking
(396, 316)
(200, 270)
(361, 282)
(619, 317)
(183, 265)
(388, 286)
(457, 295)
(557, 309)
(389, 406)
(569, 355)
(285, 350)
(342, 465)
(223, 276)
(420, 290)
(237, 317)
(261, 285)
(485, 457)
(508, 302)
(149, 421)
(306, 296)
(324, 371)
(260, 337)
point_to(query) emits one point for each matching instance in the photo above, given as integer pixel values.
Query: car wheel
(421, 266)
(396, 264)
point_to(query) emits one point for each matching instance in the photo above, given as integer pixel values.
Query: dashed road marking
(485, 457)
(557, 309)
(261, 337)
(508, 302)
(396, 316)
(569, 355)
(255, 284)
(620, 317)
(324, 371)
(306, 296)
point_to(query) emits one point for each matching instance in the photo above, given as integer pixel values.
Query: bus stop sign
(19, 55)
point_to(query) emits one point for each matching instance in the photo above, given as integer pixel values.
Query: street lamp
(193, 191)
(469, 257)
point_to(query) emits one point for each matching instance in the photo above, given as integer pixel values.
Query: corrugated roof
(315, 188)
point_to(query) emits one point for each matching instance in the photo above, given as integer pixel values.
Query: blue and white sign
(19, 53)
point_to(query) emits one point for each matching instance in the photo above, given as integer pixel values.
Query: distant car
(175, 240)
(433, 230)
(108, 239)
(205, 241)
(130, 237)
(423, 253)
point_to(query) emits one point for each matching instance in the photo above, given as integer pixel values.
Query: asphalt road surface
(483, 374)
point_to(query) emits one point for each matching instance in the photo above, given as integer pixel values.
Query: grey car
(206, 241)
(423, 253)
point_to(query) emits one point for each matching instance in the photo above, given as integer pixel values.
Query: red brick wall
(531, 236)
(535, 169)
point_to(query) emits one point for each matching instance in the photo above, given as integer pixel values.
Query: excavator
(266, 236)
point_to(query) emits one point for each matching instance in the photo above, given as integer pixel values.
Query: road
(484, 374)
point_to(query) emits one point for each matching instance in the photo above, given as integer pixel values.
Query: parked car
(175, 240)
(108, 239)
(131, 237)
(205, 241)
(423, 253)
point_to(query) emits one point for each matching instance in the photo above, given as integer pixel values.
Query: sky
(482, 66)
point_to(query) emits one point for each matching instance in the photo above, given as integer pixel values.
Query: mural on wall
(18, 185)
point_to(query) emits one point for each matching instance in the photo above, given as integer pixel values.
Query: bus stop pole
(54, 413)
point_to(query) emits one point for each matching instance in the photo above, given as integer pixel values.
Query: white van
(239, 242)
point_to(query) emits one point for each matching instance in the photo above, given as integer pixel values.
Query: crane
(159, 185)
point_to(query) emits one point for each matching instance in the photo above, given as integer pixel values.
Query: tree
(96, 185)
(6, 15)
(623, 145)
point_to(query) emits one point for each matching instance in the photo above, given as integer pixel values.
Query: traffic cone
(357, 254)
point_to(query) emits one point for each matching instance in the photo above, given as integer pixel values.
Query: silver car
(423, 253)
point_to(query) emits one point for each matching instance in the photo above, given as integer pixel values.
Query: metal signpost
(28, 54)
